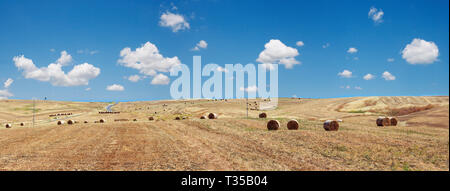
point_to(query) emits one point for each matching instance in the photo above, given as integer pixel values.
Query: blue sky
(95, 32)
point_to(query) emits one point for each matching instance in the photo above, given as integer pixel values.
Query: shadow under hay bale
(292, 124)
(212, 116)
(8, 125)
(203, 117)
(134, 119)
(383, 121)
(71, 122)
(102, 121)
(393, 121)
(85, 121)
(22, 124)
(151, 119)
(263, 115)
(177, 118)
(60, 122)
(273, 125)
(330, 125)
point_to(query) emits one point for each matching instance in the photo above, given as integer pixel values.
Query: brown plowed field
(232, 142)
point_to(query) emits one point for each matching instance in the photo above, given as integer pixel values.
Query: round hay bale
(177, 118)
(331, 125)
(102, 120)
(383, 121)
(273, 125)
(60, 122)
(184, 117)
(71, 122)
(203, 117)
(151, 119)
(134, 119)
(85, 121)
(22, 124)
(393, 121)
(292, 124)
(212, 116)
(8, 125)
(263, 115)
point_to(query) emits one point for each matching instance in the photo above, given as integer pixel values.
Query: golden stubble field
(231, 142)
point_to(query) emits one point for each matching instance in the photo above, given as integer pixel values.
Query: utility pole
(247, 106)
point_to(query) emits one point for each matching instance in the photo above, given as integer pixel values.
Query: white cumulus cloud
(388, 76)
(147, 60)
(369, 77)
(352, 50)
(174, 21)
(300, 43)
(221, 69)
(376, 15)
(115, 87)
(276, 52)
(160, 79)
(249, 89)
(53, 73)
(200, 45)
(8, 82)
(134, 78)
(345, 74)
(420, 52)
(390, 59)
(4, 94)
(64, 59)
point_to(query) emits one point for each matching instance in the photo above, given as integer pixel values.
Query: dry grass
(231, 142)
(407, 110)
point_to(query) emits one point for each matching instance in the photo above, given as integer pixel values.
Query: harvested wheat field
(420, 141)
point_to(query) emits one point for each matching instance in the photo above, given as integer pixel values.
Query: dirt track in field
(230, 142)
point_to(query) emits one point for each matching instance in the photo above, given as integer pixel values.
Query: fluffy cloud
(388, 76)
(115, 87)
(352, 50)
(376, 15)
(8, 82)
(358, 88)
(300, 43)
(53, 73)
(147, 60)
(174, 21)
(276, 52)
(134, 78)
(369, 77)
(64, 59)
(220, 69)
(345, 87)
(4, 94)
(326, 45)
(390, 60)
(249, 89)
(201, 44)
(420, 52)
(160, 79)
(345, 74)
